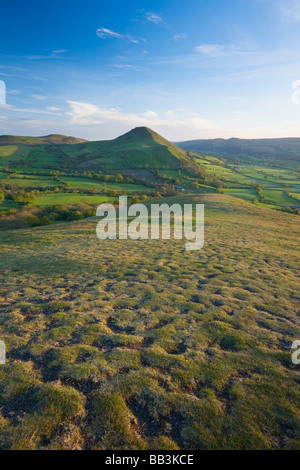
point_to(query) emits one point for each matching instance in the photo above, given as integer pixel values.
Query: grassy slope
(139, 148)
(139, 344)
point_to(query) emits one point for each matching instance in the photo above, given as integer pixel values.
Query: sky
(188, 70)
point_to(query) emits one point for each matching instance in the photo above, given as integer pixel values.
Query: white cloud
(92, 122)
(53, 108)
(153, 17)
(150, 114)
(11, 108)
(82, 111)
(123, 66)
(290, 9)
(59, 51)
(13, 92)
(215, 50)
(38, 97)
(126, 66)
(179, 37)
(6, 106)
(89, 114)
(104, 33)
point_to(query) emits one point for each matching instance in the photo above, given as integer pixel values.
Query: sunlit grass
(142, 345)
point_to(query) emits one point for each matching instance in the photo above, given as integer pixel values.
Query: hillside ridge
(271, 148)
(47, 139)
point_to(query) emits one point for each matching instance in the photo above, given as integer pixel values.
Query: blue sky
(193, 69)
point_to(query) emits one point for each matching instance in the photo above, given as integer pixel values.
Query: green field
(296, 196)
(142, 345)
(243, 179)
(87, 183)
(34, 182)
(65, 198)
(246, 194)
(76, 182)
(278, 197)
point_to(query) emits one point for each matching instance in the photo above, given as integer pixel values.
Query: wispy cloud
(13, 92)
(290, 10)
(148, 16)
(153, 17)
(123, 66)
(179, 37)
(215, 50)
(11, 108)
(150, 114)
(38, 97)
(104, 33)
(11, 67)
(59, 51)
(128, 67)
(88, 114)
(53, 108)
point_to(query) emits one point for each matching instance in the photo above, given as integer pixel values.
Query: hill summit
(139, 148)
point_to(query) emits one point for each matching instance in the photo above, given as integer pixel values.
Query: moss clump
(113, 423)
(54, 405)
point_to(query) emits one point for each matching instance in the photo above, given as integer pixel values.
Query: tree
(77, 215)
(45, 220)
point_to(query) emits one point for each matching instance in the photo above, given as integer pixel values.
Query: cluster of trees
(17, 194)
(23, 197)
(259, 191)
(32, 216)
(292, 211)
(39, 216)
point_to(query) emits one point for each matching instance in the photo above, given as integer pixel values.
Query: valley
(41, 176)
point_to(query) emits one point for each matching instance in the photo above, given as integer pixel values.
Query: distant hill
(52, 138)
(139, 149)
(244, 149)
